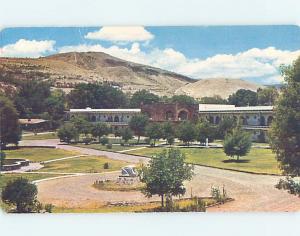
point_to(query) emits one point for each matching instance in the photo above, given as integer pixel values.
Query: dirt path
(251, 192)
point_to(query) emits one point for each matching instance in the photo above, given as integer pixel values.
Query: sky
(252, 53)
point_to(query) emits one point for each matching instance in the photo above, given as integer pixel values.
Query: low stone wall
(18, 163)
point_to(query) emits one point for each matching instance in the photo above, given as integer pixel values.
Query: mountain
(67, 69)
(216, 86)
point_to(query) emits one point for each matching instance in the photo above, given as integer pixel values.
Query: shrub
(21, 193)
(289, 184)
(104, 140)
(49, 208)
(106, 165)
(109, 146)
(217, 195)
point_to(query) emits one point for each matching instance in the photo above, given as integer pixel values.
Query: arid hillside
(217, 86)
(67, 69)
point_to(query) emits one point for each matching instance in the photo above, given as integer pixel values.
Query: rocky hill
(217, 86)
(65, 70)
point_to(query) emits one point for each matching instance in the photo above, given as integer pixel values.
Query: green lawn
(40, 136)
(88, 164)
(258, 160)
(39, 154)
(97, 146)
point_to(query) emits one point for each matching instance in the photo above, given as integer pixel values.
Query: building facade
(255, 119)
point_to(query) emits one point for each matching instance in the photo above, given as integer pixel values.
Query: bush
(106, 165)
(21, 193)
(217, 195)
(49, 208)
(109, 146)
(104, 140)
(289, 184)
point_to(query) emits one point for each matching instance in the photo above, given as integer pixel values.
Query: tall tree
(226, 125)
(153, 131)
(183, 99)
(96, 96)
(204, 130)
(237, 144)
(100, 129)
(243, 97)
(9, 126)
(186, 132)
(267, 96)
(31, 98)
(213, 100)
(138, 124)
(143, 96)
(165, 174)
(67, 132)
(126, 134)
(285, 129)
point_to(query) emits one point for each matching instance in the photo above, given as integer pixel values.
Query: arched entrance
(182, 115)
(116, 119)
(262, 121)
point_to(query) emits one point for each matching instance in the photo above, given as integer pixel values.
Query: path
(252, 192)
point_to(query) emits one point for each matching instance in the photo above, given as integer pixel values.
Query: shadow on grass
(236, 161)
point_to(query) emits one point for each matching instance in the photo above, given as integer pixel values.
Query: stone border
(16, 165)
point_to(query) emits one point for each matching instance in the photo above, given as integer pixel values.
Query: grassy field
(88, 164)
(39, 154)
(40, 136)
(146, 207)
(257, 161)
(97, 146)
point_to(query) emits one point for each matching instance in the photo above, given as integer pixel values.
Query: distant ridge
(64, 70)
(222, 87)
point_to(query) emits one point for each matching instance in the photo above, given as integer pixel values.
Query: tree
(186, 132)
(143, 96)
(55, 107)
(9, 125)
(167, 130)
(138, 124)
(267, 96)
(21, 193)
(243, 97)
(165, 174)
(97, 96)
(285, 128)
(100, 129)
(31, 98)
(226, 125)
(153, 131)
(127, 134)
(81, 124)
(204, 130)
(67, 132)
(213, 100)
(183, 99)
(237, 144)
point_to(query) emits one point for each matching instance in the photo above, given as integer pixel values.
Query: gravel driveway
(251, 192)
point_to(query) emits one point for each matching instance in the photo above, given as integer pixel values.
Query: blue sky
(252, 53)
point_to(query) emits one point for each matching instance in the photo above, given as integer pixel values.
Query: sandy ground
(251, 192)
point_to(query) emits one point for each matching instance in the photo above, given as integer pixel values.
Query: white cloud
(261, 65)
(27, 48)
(121, 34)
